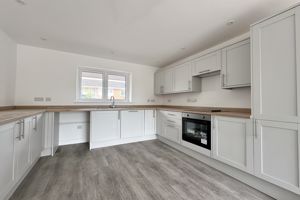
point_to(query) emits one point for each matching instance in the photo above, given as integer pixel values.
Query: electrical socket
(40, 99)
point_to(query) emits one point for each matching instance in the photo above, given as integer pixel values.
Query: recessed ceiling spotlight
(183, 48)
(43, 39)
(230, 22)
(22, 2)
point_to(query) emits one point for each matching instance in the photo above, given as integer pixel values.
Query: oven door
(197, 131)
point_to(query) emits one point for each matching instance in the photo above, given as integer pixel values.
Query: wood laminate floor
(142, 171)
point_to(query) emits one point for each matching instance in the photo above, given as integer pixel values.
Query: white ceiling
(151, 32)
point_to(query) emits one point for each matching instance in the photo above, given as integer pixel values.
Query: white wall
(8, 57)
(212, 96)
(50, 73)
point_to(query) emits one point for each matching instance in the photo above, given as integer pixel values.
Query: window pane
(117, 87)
(91, 85)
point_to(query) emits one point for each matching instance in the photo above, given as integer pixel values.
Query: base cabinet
(36, 138)
(6, 158)
(132, 123)
(104, 126)
(150, 122)
(276, 152)
(170, 125)
(21, 148)
(233, 142)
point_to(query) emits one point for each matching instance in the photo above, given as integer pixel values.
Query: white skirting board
(94, 145)
(259, 184)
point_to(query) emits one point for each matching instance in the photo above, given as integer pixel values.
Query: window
(100, 85)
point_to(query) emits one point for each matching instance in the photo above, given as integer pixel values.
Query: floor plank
(138, 171)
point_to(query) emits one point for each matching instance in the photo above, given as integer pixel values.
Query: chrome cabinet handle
(19, 133)
(170, 114)
(35, 123)
(23, 129)
(171, 126)
(132, 110)
(204, 71)
(119, 115)
(171, 121)
(153, 114)
(189, 85)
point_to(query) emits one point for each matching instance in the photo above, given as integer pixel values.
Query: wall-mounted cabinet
(207, 64)
(230, 61)
(177, 79)
(236, 65)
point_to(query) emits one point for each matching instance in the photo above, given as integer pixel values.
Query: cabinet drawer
(172, 132)
(171, 114)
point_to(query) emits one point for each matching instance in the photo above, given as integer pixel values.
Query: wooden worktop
(230, 112)
(8, 116)
(19, 112)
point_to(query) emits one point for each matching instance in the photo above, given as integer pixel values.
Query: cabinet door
(159, 122)
(159, 82)
(168, 81)
(104, 126)
(276, 153)
(233, 142)
(21, 151)
(35, 138)
(207, 64)
(132, 123)
(236, 65)
(150, 122)
(6, 158)
(171, 132)
(276, 71)
(182, 78)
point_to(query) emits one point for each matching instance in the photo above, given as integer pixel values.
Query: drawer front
(172, 132)
(171, 114)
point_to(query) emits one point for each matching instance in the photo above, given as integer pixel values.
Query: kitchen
(88, 112)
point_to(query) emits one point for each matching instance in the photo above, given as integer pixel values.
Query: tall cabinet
(276, 98)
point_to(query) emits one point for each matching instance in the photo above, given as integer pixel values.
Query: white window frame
(105, 73)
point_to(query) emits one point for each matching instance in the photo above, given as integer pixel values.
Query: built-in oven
(196, 130)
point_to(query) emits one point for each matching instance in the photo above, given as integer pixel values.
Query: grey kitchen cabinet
(170, 125)
(104, 127)
(276, 98)
(6, 158)
(21, 148)
(233, 142)
(168, 81)
(132, 123)
(207, 64)
(164, 81)
(236, 65)
(183, 79)
(276, 67)
(276, 153)
(150, 122)
(159, 82)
